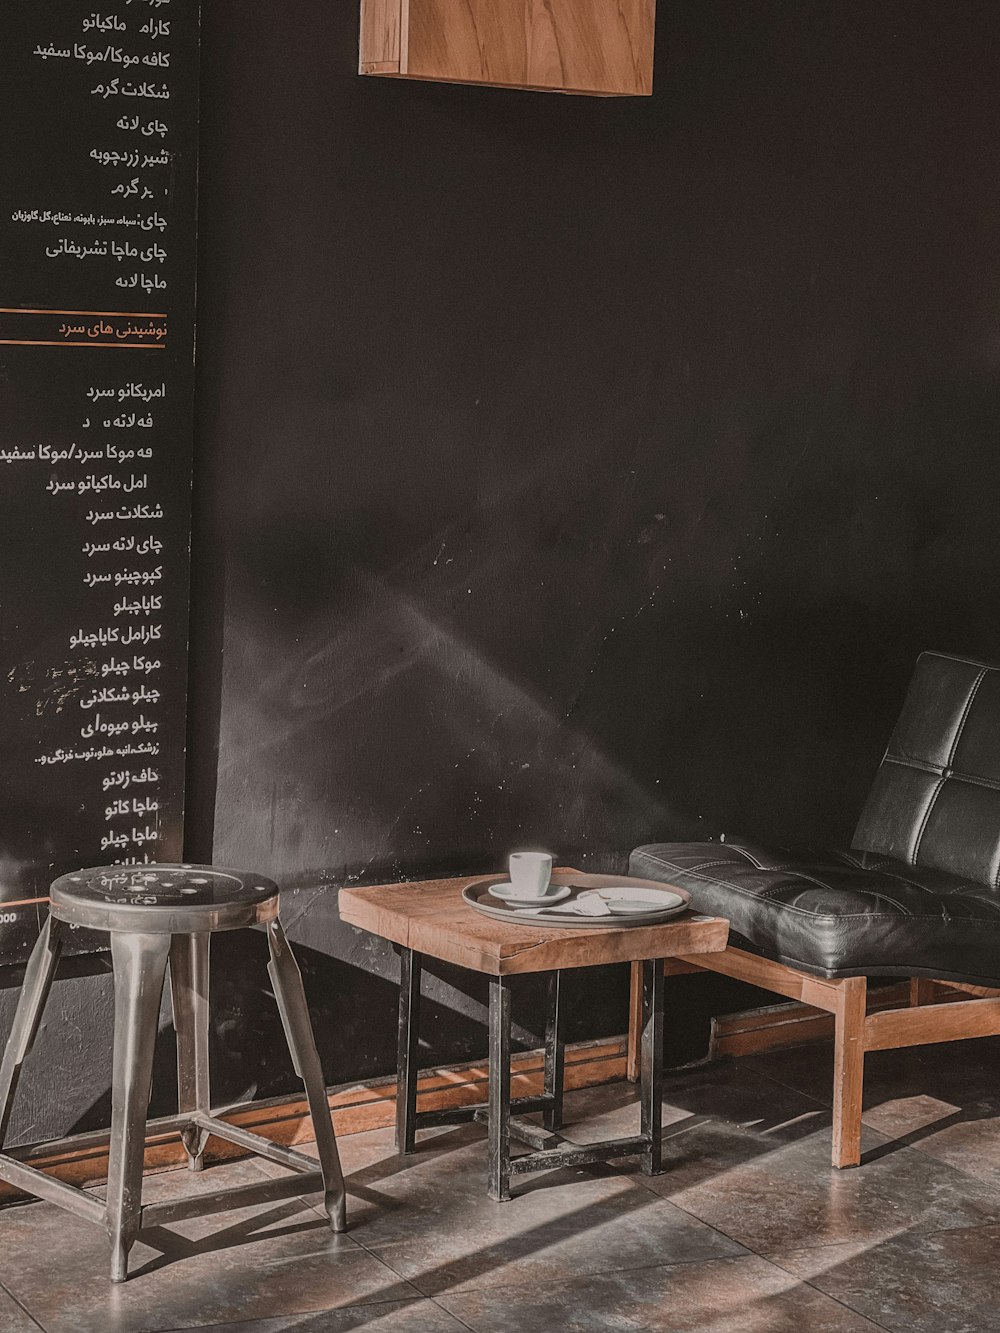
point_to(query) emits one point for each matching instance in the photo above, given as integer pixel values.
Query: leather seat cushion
(838, 914)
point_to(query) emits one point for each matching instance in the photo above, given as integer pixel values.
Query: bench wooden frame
(856, 1030)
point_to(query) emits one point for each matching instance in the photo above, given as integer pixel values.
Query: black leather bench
(918, 895)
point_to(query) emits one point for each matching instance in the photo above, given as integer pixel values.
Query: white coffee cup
(530, 873)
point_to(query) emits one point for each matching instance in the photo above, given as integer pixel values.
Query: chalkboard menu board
(98, 174)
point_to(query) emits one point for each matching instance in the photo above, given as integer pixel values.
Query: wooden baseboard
(82, 1160)
(775, 1027)
(780, 1026)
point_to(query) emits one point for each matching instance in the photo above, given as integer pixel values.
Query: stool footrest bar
(582, 1155)
(95, 1141)
(241, 1196)
(36, 1182)
(256, 1143)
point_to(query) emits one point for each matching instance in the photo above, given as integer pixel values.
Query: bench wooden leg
(848, 1070)
(921, 991)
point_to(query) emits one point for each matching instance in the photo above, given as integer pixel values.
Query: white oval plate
(553, 894)
(628, 899)
(477, 895)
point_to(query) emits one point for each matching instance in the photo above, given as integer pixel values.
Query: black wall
(574, 471)
(580, 471)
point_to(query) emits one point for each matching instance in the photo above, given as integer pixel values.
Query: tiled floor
(748, 1231)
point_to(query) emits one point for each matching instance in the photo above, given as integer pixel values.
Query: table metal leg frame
(499, 1110)
(651, 1066)
(408, 1118)
(555, 1058)
(550, 1150)
(410, 970)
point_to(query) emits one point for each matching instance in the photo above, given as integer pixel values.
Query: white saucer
(627, 899)
(508, 894)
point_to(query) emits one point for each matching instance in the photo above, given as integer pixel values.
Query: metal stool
(155, 913)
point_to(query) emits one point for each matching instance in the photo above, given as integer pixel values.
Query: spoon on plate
(583, 906)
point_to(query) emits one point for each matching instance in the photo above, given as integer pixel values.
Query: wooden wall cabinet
(601, 47)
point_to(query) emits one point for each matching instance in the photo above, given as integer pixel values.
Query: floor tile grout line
(320, 1213)
(420, 1294)
(393, 1269)
(387, 1300)
(844, 1306)
(830, 1296)
(789, 1087)
(643, 1180)
(748, 1251)
(22, 1307)
(293, 1314)
(822, 1245)
(711, 1225)
(594, 1273)
(876, 1323)
(642, 1268)
(758, 1254)
(799, 1247)
(451, 1314)
(975, 1226)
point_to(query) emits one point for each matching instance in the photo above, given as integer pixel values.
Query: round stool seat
(164, 899)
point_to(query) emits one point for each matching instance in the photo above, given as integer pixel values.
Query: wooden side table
(430, 918)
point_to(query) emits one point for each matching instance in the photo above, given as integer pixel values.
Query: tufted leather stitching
(744, 852)
(826, 916)
(865, 860)
(909, 761)
(884, 866)
(942, 770)
(965, 716)
(795, 868)
(759, 865)
(710, 865)
(964, 886)
(856, 861)
(947, 772)
(958, 735)
(935, 793)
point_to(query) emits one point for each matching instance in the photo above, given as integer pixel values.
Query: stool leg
(287, 982)
(140, 963)
(34, 992)
(189, 970)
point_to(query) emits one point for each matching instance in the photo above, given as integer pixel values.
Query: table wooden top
(431, 917)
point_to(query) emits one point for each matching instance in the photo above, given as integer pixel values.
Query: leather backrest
(936, 799)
